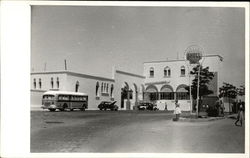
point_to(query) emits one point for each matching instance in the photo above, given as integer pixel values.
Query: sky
(93, 39)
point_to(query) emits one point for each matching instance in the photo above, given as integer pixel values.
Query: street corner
(206, 119)
(232, 116)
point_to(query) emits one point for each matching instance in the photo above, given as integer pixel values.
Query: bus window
(63, 97)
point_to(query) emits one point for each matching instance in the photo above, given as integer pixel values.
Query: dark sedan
(147, 106)
(105, 105)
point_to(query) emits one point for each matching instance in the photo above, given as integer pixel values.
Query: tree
(241, 91)
(205, 77)
(229, 91)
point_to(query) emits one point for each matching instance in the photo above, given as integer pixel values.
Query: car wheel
(52, 110)
(61, 109)
(82, 109)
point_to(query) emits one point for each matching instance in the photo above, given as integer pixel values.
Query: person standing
(166, 106)
(240, 116)
(177, 110)
(222, 108)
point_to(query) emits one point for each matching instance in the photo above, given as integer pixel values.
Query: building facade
(162, 82)
(165, 82)
(98, 88)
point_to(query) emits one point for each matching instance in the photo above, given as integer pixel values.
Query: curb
(200, 119)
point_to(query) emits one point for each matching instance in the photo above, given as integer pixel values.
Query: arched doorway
(151, 93)
(126, 95)
(141, 91)
(167, 93)
(182, 93)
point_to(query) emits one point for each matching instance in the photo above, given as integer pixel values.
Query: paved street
(131, 131)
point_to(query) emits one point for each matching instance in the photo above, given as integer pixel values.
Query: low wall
(170, 105)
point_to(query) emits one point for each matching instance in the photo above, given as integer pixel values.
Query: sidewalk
(182, 119)
(203, 118)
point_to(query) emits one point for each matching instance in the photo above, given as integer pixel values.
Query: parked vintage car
(105, 105)
(147, 106)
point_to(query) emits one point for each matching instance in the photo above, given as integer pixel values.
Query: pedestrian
(239, 116)
(166, 106)
(177, 110)
(222, 108)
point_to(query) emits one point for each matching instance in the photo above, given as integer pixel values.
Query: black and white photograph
(136, 78)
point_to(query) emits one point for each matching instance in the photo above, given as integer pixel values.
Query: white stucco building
(98, 88)
(162, 82)
(165, 81)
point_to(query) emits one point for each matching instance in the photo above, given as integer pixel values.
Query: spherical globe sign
(193, 54)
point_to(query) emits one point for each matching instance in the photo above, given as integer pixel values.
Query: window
(57, 82)
(182, 71)
(153, 96)
(102, 87)
(40, 83)
(182, 93)
(167, 95)
(77, 86)
(182, 96)
(96, 88)
(48, 97)
(167, 72)
(63, 97)
(130, 94)
(52, 82)
(111, 90)
(151, 72)
(34, 83)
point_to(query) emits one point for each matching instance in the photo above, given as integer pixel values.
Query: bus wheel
(71, 109)
(64, 106)
(52, 109)
(61, 109)
(83, 108)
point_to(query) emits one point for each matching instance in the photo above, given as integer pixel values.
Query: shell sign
(193, 58)
(194, 54)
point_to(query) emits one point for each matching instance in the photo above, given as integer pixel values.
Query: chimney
(65, 64)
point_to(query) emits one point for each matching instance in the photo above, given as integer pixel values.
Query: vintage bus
(63, 100)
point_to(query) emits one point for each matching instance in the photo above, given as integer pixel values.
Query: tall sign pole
(194, 54)
(189, 82)
(198, 90)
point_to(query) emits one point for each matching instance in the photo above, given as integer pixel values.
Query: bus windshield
(48, 97)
